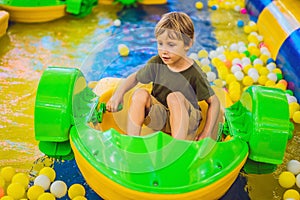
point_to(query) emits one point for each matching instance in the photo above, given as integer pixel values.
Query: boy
(178, 84)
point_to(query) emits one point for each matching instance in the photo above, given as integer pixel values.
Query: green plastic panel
(32, 3)
(261, 118)
(53, 107)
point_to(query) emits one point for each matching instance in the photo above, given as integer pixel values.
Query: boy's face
(170, 50)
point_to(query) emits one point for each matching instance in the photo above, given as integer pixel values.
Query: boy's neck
(181, 65)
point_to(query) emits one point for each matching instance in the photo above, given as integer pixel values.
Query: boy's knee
(140, 95)
(175, 99)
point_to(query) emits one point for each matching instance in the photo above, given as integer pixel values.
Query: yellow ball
(7, 198)
(46, 196)
(2, 182)
(263, 71)
(247, 81)
(296, 117)
(262, 79)
(218, 83)
(48, 171)
(291, 194)
(206, 68)
(16, 190)
(287, 179)
(80, 198)
(202, 54)
(76, 190)
(7, 173)
(270, 83)
(230, 78)
(21, 178)
(247, 29)
(199, 5)
(123, 50)
(34, 192)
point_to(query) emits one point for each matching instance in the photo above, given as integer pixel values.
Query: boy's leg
(140, 102)
(179, 116)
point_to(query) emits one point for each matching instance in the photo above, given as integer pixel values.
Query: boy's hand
(113, 106)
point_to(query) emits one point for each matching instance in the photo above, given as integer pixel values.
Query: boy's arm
(212, 118)
(117, 97)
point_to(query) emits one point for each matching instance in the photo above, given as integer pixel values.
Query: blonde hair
(178, 26)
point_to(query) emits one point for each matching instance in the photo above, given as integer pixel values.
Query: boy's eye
(171, 44)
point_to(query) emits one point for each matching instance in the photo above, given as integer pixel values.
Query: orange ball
(2, 193)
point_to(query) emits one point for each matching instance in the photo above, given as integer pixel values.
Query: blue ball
(214, 7)
(240, 23)
(270, 60)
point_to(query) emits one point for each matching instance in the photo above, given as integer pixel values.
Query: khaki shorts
(158, 117)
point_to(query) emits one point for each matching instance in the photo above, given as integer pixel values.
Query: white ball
(117, 22)
(221, 57)
(211, 76)
(58, 189)
(239, 75)
(205, 61)
(254, 76)
(271, 66)
(213, 54)
(236, 61)
(291, 99)
(258, 61)
(298, 180)
(242, 49)
(246, 61)
(252, 71)
(233, 47)
(272, 76)
(193, 56)
(293, 166)
(43, 181)
(235, 68)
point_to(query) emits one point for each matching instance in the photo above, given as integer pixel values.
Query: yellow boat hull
(35, 14)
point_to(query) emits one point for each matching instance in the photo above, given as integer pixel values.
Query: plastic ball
(16, 190)
(289, 92)
(239, 75)
(205, 61)
(272, 76)
(293, 107)
(298, 180)
(214, 7)
(293, 166)
(291, 194)
(2, 192)
(206, 68)
(76, 190)
(211, 76)
(117, 22)
(80, 198)
(7, 173)
(58, 189)
(21, 178)
(270, 83)
(193, 56)
(240, 23)
(199, 5)
(291, 99)
(46, 196)
(243, 11)
(230, 78)
(287, 179)
(7, 198)
(202, 54)
(219, 83)
(34, 192)
(296, 117)
(2, 182)
(123, 50)
(247, 81)
(263, 71)
(43, 181)
(262, 80)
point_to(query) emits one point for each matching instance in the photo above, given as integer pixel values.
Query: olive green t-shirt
(192, 82)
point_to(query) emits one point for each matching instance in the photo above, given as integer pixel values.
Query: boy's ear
(189, 46)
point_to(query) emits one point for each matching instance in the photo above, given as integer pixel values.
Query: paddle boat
(33, 11)
(71, 122)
